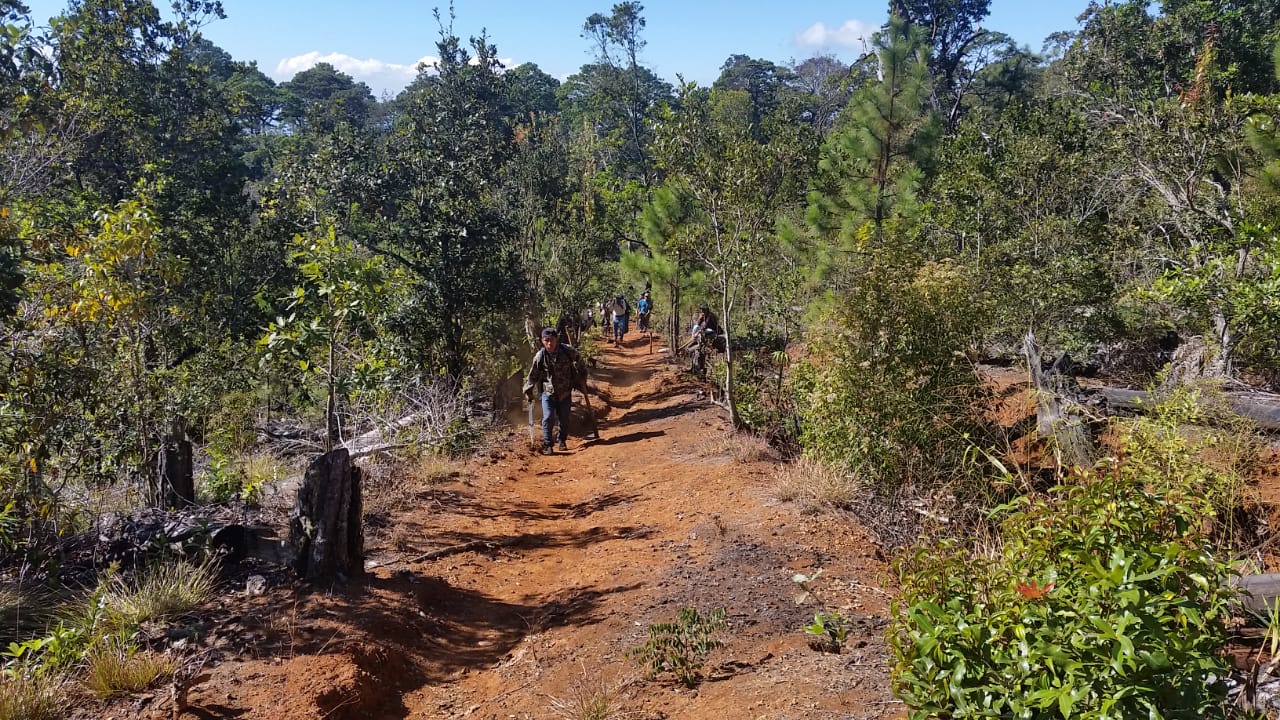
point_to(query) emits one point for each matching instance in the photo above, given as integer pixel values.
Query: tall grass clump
(31, 698)
(115, 667)
(163, 590)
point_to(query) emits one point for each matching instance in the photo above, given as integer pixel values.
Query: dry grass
(431, 469)
(817, 487)
(32, 699)
(391, 487)
(115, 668)
(162, 591)
(742, 447)
(591, 696)
(402, 538)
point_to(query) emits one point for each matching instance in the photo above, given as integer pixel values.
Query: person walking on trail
(621, 309)
(705, 338)
(644, 306)
(556, 371)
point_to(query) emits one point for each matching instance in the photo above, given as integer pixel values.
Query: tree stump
(174, 469)
(325, 529)
(1060, 412)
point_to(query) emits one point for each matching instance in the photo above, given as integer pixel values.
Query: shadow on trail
(628, 438)
(526, 511)
(618, 377)
(215, 712)
(460, 628)
(658, 413)
(544, 540)
(596, 504)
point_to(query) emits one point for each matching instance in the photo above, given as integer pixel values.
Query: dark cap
(549, 332)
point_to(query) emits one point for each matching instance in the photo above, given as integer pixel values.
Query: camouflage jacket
(557, 373)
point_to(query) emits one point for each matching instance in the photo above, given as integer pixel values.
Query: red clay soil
(573, 556)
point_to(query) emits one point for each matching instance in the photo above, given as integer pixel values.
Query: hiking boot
(546, 450)
(562, 447)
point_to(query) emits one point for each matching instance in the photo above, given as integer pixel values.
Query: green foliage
(886, 392)
(342, 292)
(240, 477)
(43, 656)
(1102, 599)
(681, 647)
(1192, 441)
(872, 166)
(831, 630)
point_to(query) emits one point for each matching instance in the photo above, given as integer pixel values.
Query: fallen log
(1258, 593)
(1263, 409)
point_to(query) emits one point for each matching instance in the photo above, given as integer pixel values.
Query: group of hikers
(615, 315)
(558, 368)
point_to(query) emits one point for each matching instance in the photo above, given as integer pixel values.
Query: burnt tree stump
(174, 469)
(325, 529)
(1060, 409)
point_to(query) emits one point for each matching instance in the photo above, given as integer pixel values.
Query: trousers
(554, 410)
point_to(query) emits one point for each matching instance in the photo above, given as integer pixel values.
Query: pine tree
(872, 166)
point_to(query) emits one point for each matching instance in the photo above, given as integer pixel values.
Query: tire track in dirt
(571, 557)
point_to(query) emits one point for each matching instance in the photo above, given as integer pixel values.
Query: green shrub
(681, 647)
(1104, 601)
(885, 393)
(245, 477)
(1192, 440)
(830, 631)
(49, 655)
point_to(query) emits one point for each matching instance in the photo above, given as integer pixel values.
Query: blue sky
(380, 41)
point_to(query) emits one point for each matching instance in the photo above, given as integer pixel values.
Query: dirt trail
(573, 556)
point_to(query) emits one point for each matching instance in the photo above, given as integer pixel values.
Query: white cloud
(381, 76)
(854, 34)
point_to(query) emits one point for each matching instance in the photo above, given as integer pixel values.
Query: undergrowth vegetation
(1104, 597)
(94, 637)
(680, 647)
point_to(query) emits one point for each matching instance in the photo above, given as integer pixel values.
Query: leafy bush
(1104, 601)
(50, 655)
(1174, 446)
(885, 393)
(245, 477)
(681, 647)
(831, 630)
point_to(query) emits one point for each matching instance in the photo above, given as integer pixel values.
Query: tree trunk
(1059, 408)
(331, 404)
(174, 469)
(325, 529)
(730, 401)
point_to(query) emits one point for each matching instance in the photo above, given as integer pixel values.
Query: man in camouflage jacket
(556, 371)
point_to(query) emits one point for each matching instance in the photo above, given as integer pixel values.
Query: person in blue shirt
(644, 306)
